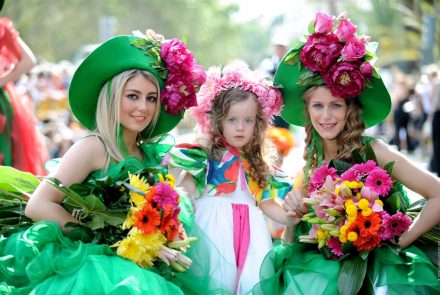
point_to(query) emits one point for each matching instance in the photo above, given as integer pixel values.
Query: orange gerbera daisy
(147, 219)
(150, 194)
(368, 225)
(367, 242)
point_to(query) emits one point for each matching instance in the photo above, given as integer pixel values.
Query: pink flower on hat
(335, 56)
(235, 76)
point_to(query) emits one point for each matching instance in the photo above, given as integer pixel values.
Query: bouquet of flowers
(138, 216)
(357, 210)
(354, 209)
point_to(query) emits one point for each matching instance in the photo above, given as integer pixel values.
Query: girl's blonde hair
(260, 155)
(348, 140)
(108, 127)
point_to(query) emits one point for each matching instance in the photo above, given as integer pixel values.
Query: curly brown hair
(348, 140)
(257, 151)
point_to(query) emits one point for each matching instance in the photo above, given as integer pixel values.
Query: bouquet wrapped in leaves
(138, 216)
(355, 208)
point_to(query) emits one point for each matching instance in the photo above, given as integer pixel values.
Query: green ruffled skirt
(300, 269)
(41, 260)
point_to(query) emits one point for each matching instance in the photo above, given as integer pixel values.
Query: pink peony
(345, 30)
(353, 50)
(345, 80)
(324, 23)
(320, 51)
(366, 69)
(379, 181)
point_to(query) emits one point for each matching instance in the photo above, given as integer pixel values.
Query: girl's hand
(294, 203)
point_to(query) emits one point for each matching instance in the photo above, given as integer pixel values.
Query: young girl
(232, 176)
(121, 94)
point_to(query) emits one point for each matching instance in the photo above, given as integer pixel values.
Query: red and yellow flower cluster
(153, 224)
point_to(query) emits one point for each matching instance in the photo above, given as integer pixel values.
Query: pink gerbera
(319, 176)
(379, 181)
(394, 225)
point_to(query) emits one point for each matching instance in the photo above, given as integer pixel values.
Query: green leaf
(14, 180)
(393, 203)
(389, 167)
(340, 166)
(311, 27)
(357, 157)
(292, 58)
(308, 79)
(351, 275)
(369, 153)
(139, 42)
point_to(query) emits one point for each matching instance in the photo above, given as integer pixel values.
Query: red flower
(147, 220)
(345, 79)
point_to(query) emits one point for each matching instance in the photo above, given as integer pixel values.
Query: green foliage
(352, 274)
(56, 30)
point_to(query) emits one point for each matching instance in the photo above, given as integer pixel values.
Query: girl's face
(327, 113)
(239, 123)
(138, 104)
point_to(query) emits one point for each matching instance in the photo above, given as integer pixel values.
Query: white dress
(214, 215)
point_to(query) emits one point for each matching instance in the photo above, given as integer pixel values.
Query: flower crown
(334, 55)
(175, 65)
(237, 76)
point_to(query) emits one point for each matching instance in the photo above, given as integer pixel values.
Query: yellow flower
(348, 203)
(343, 229)
(353, 184)
(352, 236)
(342, 238)
(337, 190)
(141, 185)
(141, 248)
(367, 212)
(321, 234)
(160, 176)
(351, 210)
(170, 179)
(360, 184)
(363, 204)
(129, 220)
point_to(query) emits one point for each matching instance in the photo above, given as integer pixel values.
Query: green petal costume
(41, 260)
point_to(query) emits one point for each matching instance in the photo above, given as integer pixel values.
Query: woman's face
(327, 113)
(138, 104)
(239, 123)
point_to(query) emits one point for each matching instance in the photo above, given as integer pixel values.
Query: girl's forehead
(248, 106)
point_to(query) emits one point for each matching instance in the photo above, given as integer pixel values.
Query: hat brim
(111, 58)
(375, 99)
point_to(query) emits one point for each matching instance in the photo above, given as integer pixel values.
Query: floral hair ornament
(333, 55)
(176, 65)
(169, 61)
(237, 76)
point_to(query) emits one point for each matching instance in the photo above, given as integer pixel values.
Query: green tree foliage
(56, 29)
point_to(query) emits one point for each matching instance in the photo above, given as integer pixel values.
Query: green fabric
(5, 136)
(301, 269)
(109, 59)
(43, 260)
(375, 100)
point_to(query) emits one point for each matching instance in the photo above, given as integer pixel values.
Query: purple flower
(335, 245)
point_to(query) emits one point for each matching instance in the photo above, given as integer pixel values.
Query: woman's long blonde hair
(348, 140)
(108, 127)
(260, 155)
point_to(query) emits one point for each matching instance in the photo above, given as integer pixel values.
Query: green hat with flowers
(333, 55)
(171, 63)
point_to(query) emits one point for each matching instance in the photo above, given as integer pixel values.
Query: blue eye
(231, 120)
(132, 96)
(249, 121)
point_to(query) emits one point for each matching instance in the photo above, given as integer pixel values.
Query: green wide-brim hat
(111, 58)
(375, 99)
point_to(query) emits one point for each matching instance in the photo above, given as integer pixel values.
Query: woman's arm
(417, 180)
(24, 65)
(84, 157)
